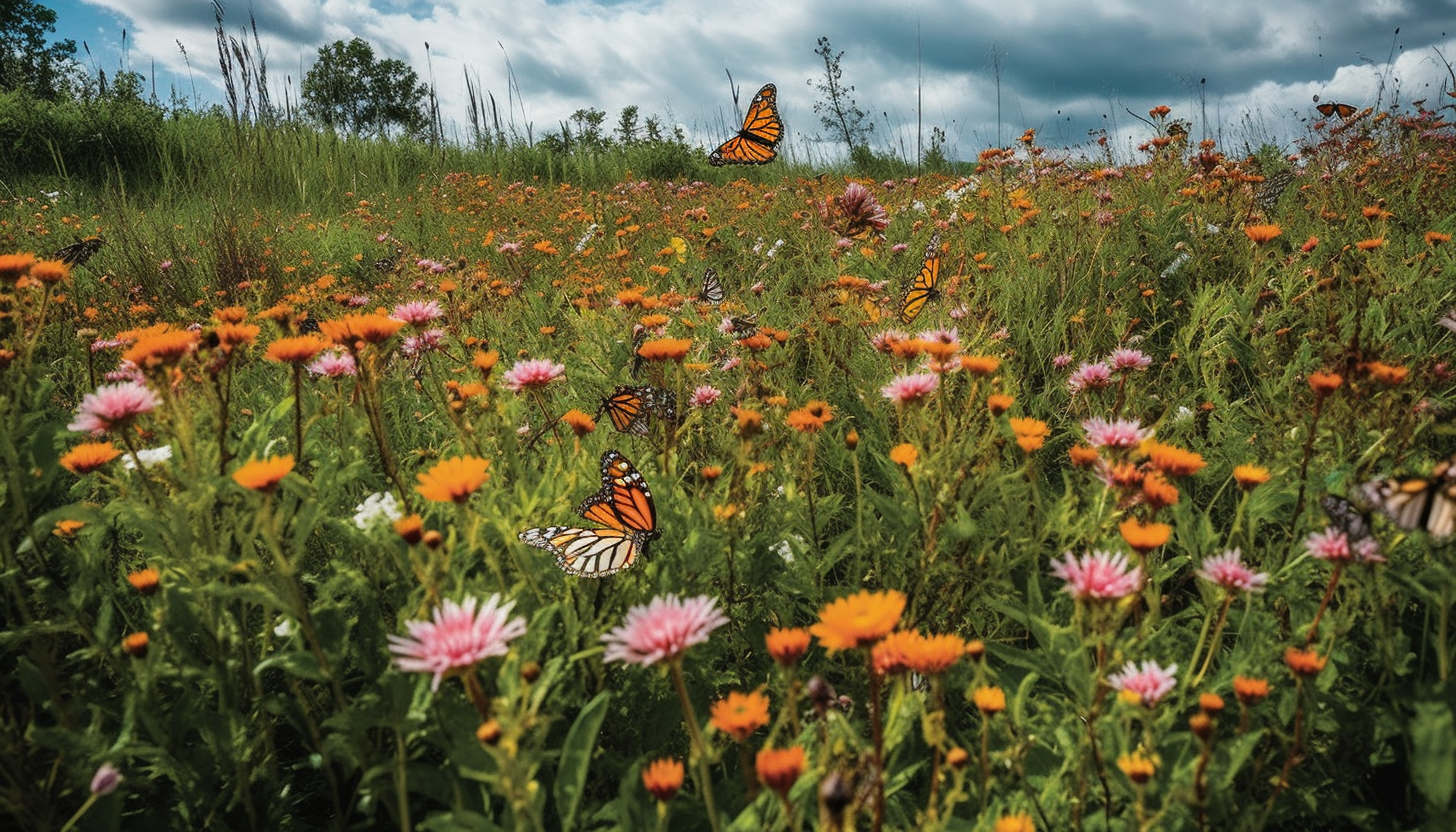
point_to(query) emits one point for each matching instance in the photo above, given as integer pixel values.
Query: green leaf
(576, 756)
(1433, 751)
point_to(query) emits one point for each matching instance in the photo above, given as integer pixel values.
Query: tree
(348, 89)
(27, 62)
(837, 111)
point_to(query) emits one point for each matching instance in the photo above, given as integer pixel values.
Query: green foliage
(27, 62)
(350, 90)
(837, 110)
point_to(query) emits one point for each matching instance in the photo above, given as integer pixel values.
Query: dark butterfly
(925, 286)
(757, 142)
(77, 253)
(712, 291)
(639, 337)
(1347, 517)
(1427, 503)
(743, 326)
(1267, 193)
(623, 506)
(387, 265)
(629, 407)
(1330, 108)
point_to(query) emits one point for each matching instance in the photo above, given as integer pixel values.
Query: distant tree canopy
(350, 90)
(27, 61)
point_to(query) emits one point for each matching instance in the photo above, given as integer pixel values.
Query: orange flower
(662, 778)
(1304, 662)
(1250, 691)
(162, 348)
(88, 456)
(145, 581)
(1210, 703)
(1020, 822)
(67, 527)
(1435, 237)
(1363, 245)
(296, 350)
(15, 266)
(232, 335)
(1138, 767)
(851, 439)
(411, 528)
(1262, 233)
(891, 654)
(1144, 537)
(50, 272)
(989, 700)
(787, 644)
(859, 619)
(1323, 383)
(741, 714)
(999, 403)
(1031, 434)
(135, 645)
(1157, 491)
(750, 422)
(1386, 374)
(579, 421)
(810, 418)
(665, 349)
(980, 365)
(904, 455)
(1175, 462)
(933, 655)
(230, 315)
(1248, 476)
(1082, 456)
(780, 769)
(369, 327)
(263, 474)
(453, 480)
(485, 361)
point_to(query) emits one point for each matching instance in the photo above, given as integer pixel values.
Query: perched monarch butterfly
(77, 253)
(743, 326)
(629, 407)
(623, 505)
(1348, 518)
(1330, 108)
(757, 142)
(712, 291)
(924, 287)
(1427, 503)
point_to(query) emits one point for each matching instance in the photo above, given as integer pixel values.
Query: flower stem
(695, 739)
(1213, 642)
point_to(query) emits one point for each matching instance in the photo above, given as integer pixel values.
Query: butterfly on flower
(623, 507)
(1427, 503)
(743, 326)
(629, 407)
(757, 143)
(1330, 108)
(925, 286)
(77, 253)
(1348, 518)
(712, 291)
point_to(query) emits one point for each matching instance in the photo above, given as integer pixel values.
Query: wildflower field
(1141, 523)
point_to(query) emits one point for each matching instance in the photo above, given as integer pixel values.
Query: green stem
(695, 739)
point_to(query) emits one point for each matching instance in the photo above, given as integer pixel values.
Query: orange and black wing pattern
(926, 285)
(77, 253)
(623, 506)
(629, 407)
(757, 143)
(1330, 108)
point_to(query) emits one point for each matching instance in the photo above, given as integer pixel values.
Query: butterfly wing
(757, 143)
(1427, 503)
(627, 410)
(624, 501)
(925, 285)
(77, 253)
(1347, 517)
(588, 553)
(712, 291)
(1330, 108)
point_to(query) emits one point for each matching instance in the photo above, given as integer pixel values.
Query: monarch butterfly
(77, 253)
(924, 286)
(623, 505)
(757, 142)
(1418, 502)
(712, 291)
(629, 407)
(1330, 108)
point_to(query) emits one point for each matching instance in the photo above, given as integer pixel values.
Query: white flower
(375, 508)
(148, 456)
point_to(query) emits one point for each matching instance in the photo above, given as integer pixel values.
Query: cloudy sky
(1242, 71)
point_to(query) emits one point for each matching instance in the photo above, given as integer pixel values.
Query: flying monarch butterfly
(1427, 503)
(712, 291)
(1330, 108)
(630, 406)
(925, 285)
(757, 142)
(77, 253)
(623, 506)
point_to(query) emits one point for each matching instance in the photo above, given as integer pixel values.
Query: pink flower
(664, 629)
(430, 340)
(881, 341)
(509, 247)
(1330, 544)
(910, 388)
(1062, 361)
(532, 373)
(730, 364)
(333, 363)
(456, 638)
(1117, 433)
(704, 395)
(357, 301)
(112, 406)
(1228, 571)
(1097, 575)
(1150, 682)
(417, 312)
(106, 779)
(1089, 376)
(1128, 359)
(942, 336)
(861, 210)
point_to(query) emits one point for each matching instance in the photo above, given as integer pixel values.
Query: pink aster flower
(106, 779)
(112, 406)
(532, 373)
(861, 211)
(729, 364)
(663, 629)
(1098, 575)
(431, 340)
(1089, 376)
(1128, 359)
(910, 388)
(1115, 433)
(704, 395)
(334, 364)
(1150, 682)
(1062, 361)
(1228, 571)
(457, 638)
(1330, 544)
(357, 301)
(417, 312)
(509, 247)
(882, 341)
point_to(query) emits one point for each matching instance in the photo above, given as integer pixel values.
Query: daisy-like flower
(1098, 575)
(1138, 767)
(861, 210)
(417, 312)
(859, 619)
(1030, 434)
(912, 388)
(1228, 571)
(1089, 376)
(1174, 461)
(296, 350)
(457, 638)
(779, 769)
(1150, 682)
(1330, 544)
(334, 364)
(1125, 359)
(811, 418)
(369, 327)
(704, 395)
(1062, 361)
(1249, 476)
(431, 340)
(787, 644)
(740, 714)
(263, 474)
(933, 655)
(665, 349)
(377, 508)
(88, 456)
(989, 699)
(453, 480)
(113, 406)
(662, 778)
(1262, 233)
(532, 373)
(662, 629)
(1250, 690)
(1115, 433)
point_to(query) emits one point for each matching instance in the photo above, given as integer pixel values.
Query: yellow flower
(1249, 476)
(453, 480)
(1138, 767)
(859, 619)
(1031, 434)
(1020, 822)
(989, 700)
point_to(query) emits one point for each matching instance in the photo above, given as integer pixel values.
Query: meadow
(1060, 553)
